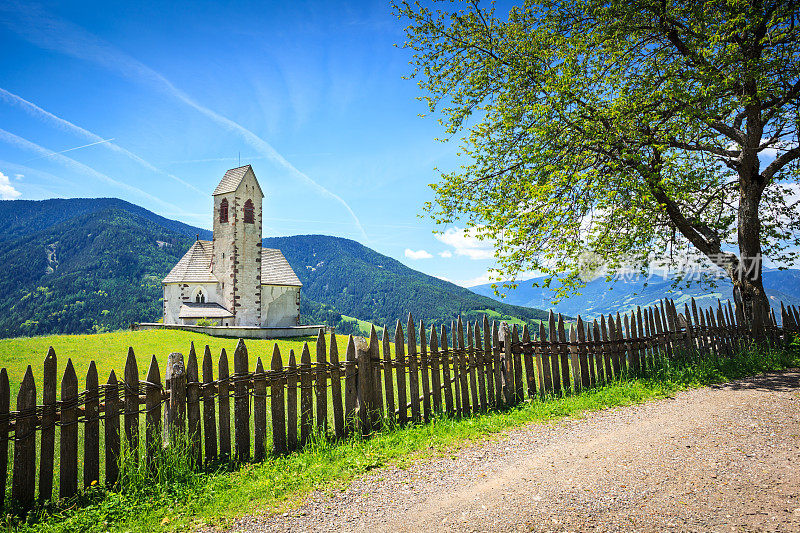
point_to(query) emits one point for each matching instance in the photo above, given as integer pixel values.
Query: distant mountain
(84, 265)
(26, 217)
(601, 297)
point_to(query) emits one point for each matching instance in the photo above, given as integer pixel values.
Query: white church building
(232, 280)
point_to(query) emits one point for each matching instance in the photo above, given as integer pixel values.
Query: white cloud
(7, 191)
(478, 280)
(446, 253)
(19, 176)
(466, 244)
(419, 254)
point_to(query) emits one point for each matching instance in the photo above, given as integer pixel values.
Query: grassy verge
(186, 500)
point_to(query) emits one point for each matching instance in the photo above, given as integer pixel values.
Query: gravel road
(723, 458)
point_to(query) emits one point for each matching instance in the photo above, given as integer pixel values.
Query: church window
(223, 210)
(249, 217)
(200, 297)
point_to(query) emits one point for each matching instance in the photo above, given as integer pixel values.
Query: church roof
(231, 180)
(203, 310)
(194, 266)
(275, 269)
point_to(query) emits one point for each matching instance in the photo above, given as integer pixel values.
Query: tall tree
(620, 131)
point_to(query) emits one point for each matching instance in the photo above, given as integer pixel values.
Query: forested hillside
(84, 265)
(92, 272)
(360, 282)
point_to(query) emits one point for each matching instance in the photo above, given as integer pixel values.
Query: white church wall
(172, 302)
(175, 294)
(279, 307)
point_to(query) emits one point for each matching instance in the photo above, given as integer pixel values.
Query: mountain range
(603, 297)
(87, 265)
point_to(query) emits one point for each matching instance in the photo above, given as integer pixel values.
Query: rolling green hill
(88, 265)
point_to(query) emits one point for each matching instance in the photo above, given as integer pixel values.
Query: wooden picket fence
(470, 369)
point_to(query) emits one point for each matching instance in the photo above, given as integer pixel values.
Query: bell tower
(237, 244)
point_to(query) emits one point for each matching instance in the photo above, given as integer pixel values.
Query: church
(232, 280)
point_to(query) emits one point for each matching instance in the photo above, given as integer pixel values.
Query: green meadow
(109, 351)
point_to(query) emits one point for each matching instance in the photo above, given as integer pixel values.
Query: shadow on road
(785, 381)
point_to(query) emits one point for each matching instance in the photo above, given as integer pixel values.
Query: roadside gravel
(723, 458)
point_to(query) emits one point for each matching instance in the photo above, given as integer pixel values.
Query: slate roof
(275, 269)
(231, 180)
(194, 266)
(203, 310)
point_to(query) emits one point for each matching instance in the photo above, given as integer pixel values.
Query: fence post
(448, 388)
(292, 379)
(590, 353)
(597, 348)
(241, 402)
(276, 401)
(306, 405)
(424, 373)
(508, 369)
(259, 411)
(527, 357)
(413, 370)
(351, 386)
(131, 404)
(563, 349)
(488, 359)
(552, 337)
(400, 356)
(336, 388)
(209, 412)
(111, 430)
(193, 407)
(374, 363)
(366, 391)
(473, 383)
(224, 406)
(480, 358)
(586, 378)
(519, 388)
(91, 428)
(152, 417)
(48, 448)
(68, 476)
(24, 480)
(544, 359)
(175, 413)
(436, 376)
(322, 383)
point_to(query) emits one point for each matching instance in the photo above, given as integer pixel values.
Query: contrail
(25, 144)
(46, 31)
(36, 111)
(69, 150)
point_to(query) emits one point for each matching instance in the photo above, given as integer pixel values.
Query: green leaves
(627, 129)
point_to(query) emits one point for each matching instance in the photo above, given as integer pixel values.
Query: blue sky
(154, 101)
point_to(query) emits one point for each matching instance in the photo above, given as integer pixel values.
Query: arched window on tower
(249, 210)
(223, 210)
(200, 297)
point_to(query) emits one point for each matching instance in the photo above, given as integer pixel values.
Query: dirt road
(724, 458)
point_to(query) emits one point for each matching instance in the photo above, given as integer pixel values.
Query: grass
(188, 500)
(364, 326)
(109, 351)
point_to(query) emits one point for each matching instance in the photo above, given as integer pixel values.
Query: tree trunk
(746, 275)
